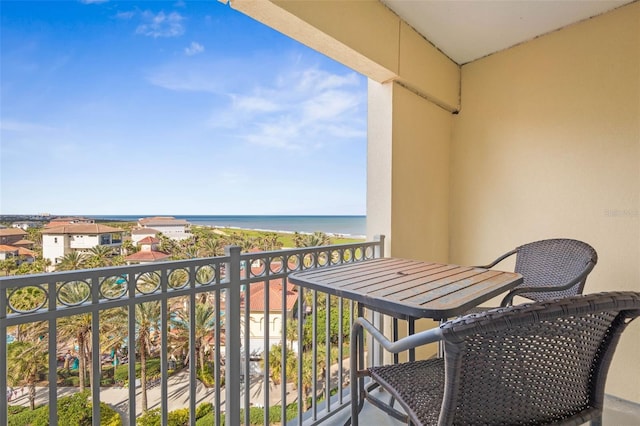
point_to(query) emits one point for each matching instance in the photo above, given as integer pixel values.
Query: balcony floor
(616, 413)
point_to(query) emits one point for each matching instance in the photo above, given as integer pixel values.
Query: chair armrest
(498, 260)
(508, 299)
(406, 343)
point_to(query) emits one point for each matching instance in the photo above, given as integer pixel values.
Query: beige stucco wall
(547, 144)
(367, 37)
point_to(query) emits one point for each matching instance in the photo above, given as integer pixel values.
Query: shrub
(179, 417)
(204, 409)
(75, 409)
(150, 418)
(121, 372)
(209, 420)
(15, 409)
(109, 416)
(27, 417)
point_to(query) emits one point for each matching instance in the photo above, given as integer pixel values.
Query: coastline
(280, 231)
(350, 226)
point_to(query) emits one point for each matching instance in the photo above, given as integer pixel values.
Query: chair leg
(597, 421)
(354, 384)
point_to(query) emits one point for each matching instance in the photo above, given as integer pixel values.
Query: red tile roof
(147, 256)
(149, 240)
(257, 293)
(26, 252)
(7, 249)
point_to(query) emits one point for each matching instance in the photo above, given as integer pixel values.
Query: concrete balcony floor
(616, 413)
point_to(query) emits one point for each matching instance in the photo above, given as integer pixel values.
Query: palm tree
(76, 327)
(168, 245)
(211, 246)
(100, 256)
(72, 261)
(205, 319)
(128, 247)
(311, 240)
(26, 360)
(275, 364)
(8, 265)
(147, 320)
(269, 241)
(292, 332)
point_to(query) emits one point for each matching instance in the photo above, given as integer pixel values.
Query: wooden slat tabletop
(408, 288)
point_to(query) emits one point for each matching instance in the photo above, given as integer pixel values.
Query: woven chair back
(554, 262)
(535, 363)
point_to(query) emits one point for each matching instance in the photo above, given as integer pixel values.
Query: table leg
(357, 364)
(396, 356)
(440, 343)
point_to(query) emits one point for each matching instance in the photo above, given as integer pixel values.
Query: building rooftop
(162, 221)
(81, 228)
(6, 232)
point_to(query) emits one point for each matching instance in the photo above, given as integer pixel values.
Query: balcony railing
(238, 293)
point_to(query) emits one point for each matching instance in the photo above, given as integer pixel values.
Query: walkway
(178, 392)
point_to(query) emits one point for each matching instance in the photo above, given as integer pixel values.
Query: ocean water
(337, 225)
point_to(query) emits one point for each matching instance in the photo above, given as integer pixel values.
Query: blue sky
(172, 108)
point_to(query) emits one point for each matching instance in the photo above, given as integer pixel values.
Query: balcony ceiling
(468, 30)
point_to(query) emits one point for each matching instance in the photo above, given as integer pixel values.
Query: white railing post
(232, 334)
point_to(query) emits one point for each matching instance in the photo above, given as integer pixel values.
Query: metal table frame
(408, 290)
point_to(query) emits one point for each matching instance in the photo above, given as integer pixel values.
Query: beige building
(61, 240)
(10, 236)
(149, 252)
(176, 229)
(261, 324)
(469, 160)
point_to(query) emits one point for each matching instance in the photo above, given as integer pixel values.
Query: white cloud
(272, 101)
(93, 1)
(125, 15)
(23, 126)
(161, 24)
(254, 104)
(184, 80)
(307, 108)
(193, 49)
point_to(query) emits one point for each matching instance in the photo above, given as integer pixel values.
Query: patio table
(410, 289)
(407, 289)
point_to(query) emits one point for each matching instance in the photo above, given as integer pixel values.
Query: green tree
(35, 235)
(8, 265)
(269, 242)
(72, 261)
(205, 322)
(275, 364)
(168, 245)
(147, 321)
(25, 361)
(292, 332)
(211, 246)
(99, 256)
(36, 267)
(128, 248)
(76, 327)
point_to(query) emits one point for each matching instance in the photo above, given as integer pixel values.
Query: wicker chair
(537, 363)
(550, 268)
